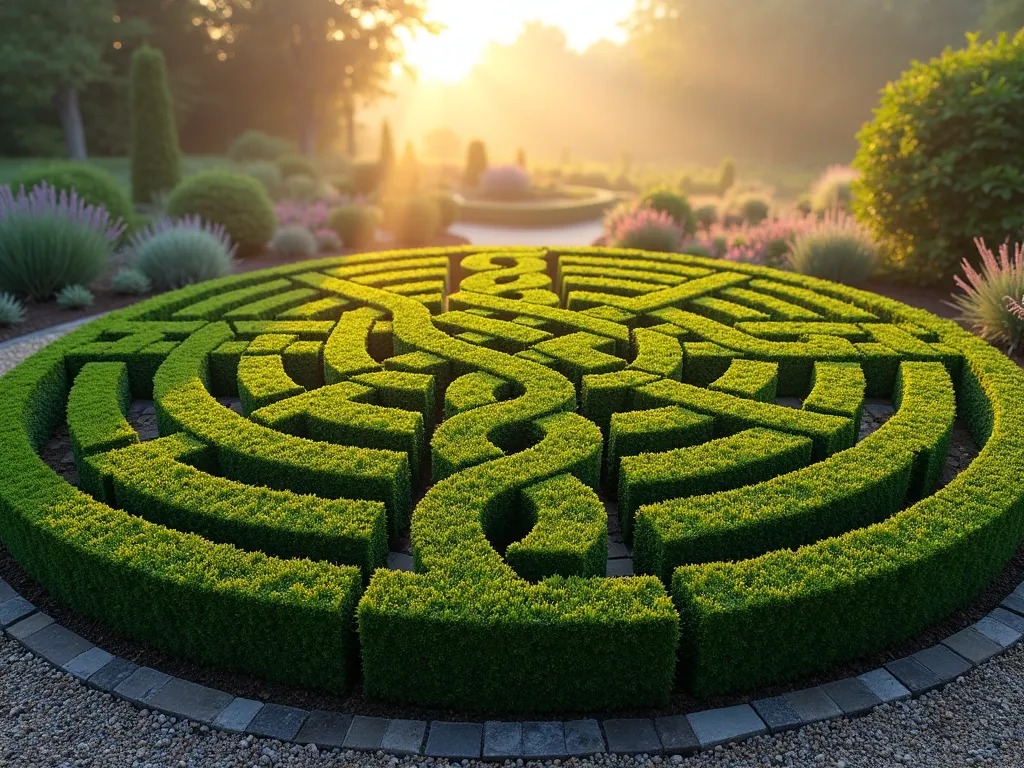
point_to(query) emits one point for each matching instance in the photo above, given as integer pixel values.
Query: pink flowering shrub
(989, 299)
(505, 182)
(646, 230)
(767, 243)
(312, 215)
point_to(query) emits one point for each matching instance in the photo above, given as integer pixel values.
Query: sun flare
(451, 55)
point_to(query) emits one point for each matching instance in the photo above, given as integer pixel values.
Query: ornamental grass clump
(294, 242)
(836, 248)
(12, 311)
(989, 302)
(75, 297)
(131, 282)
(176, 253)
(833, 189)
(646, 230)
(49, 240)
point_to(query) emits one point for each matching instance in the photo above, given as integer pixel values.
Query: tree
(521, 158)
(476, 163)
(56, 49)
(155, 155)
(326, 54)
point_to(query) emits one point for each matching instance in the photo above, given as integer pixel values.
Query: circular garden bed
(510, 418)
(583, 204)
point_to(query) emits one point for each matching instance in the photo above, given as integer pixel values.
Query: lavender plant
(176, 253)
(989, 300)
(836, 248)
(49, 240)
(647, 230)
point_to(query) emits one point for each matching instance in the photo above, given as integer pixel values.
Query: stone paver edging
(151, 689)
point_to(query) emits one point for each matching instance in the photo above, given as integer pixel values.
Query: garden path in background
(583, 234)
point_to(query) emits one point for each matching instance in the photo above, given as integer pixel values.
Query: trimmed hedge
(773, 544)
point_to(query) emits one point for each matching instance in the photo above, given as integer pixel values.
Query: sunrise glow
(452, 54)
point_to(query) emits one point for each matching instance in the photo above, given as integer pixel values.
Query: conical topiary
(386, 160)
(155, 155)
(476, 163)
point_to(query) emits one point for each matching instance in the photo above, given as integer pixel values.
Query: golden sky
(472, 24)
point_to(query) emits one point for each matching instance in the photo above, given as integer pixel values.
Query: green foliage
(675, 205)
(356, 225)
(94, 185)
(301, 188)
(833, 189)
(366, 178)
(255, 146)
(448, 209)
(706, 216)
(938, 164)
(414, 221)
(291, 164)
(131, 282)
(754, 209)
(294, 242)
(12, 311)
(268, 174)
(238, 202)
(987, 295)
(386, 152)
(75, 297)
(155, 156)
(328, 241)
(837, 248)
(476, 163)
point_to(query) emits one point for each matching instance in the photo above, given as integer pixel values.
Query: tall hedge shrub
(476, 163)
(155, 155)
(940, 162)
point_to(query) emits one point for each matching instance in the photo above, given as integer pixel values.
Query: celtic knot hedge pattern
(485, 421)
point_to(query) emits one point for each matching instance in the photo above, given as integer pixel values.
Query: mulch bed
(42, 315)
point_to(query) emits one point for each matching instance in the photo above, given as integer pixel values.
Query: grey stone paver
(404, 737)
(1015, 600)
(886, 687)
(852, 696)
(617, 550)
(944, 663)
(399, 561)
(22, 629)
(972, 645)
(142, 683)
(720, 726)
(1009, 618)
(57, 644)
(778, 714)
(88, 663)
(191, 700)
(7, 592)
(14, 609)
(914, 675)
(631, 735)
(366, 733)
(277, 722)
(997, 631)
(676, 734)
(325, 729)
(619, 568)
(503, 739)
(459, 740)
(238, 714)
(583, 737)
(813, 705)
(112, 674)
(543, 741)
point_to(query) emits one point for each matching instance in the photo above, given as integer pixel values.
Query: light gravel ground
(49, 719)
(13, 354)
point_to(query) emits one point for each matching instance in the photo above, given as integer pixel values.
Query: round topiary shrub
(476, 163)
(356, 225)
(296, 165)
(754, 209)
(504, 182)
(939, 165)
(267, 174)
(294, 242)
(234, 200)
(254, 145)
(675, 205)
(311, 416)
(93, 185)
(837, 248)
(414, 221)
(173, 254)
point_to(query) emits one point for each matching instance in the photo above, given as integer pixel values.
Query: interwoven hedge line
(774, 543)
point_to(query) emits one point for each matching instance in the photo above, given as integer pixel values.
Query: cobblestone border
(151, 689)
(61, 328)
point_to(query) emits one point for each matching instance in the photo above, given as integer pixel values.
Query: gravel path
(47, 718)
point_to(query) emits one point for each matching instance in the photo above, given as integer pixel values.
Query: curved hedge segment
(720, 403)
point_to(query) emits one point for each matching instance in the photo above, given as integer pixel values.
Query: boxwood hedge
(719, 403)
